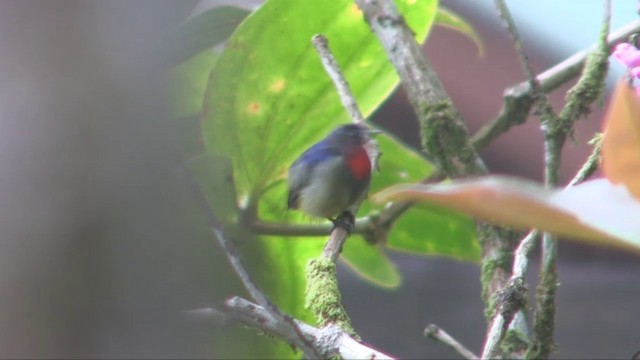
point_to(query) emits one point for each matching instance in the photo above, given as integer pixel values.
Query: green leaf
(205, 30)
(269, 97)
(421, 230)
(188, 82)
(451, 20)
(286, 257)
(435, 231)
(370, 263)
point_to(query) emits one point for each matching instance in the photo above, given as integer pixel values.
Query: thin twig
(518, 99)
(556, 130)
(503, 13)
(540, 99)
(502, 318)
(555, 136)
(330, 341)
(338, 236)
(362, 226)
(524, 250)
(592, 163)
(322, 295)
(511, 299)
(333, 70)
(293, 332)
(434, 332)
(374, 227)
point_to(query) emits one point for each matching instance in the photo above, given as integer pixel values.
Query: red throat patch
(359, 163)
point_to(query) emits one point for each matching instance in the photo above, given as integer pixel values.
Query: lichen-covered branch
(498, 330)
(518, 99)
(322, 295)
(579, 99)
(288, 325)
(510, 299)
(443, 132)
(330, 341)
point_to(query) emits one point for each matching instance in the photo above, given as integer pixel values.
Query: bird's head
(351, 135)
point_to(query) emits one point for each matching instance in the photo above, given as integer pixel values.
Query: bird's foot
(346, 220)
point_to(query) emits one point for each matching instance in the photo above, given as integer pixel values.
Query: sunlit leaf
(621, 143)
(594, 211)
(286, 257)
(369, 262)
(432, 230)
(451, 20)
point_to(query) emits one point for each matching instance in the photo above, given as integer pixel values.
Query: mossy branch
(323, 296)
(443, 131)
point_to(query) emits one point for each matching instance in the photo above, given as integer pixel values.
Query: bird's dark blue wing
(318, 153)
(300, 171)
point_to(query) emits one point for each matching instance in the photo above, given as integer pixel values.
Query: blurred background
(99, 249)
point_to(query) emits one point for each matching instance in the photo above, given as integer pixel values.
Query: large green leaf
(268, 97)
(430, 230)
(286, 257)
(371, 263)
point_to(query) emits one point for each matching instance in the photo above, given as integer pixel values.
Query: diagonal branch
(333, 70)
(443, 132)
(505, 314)
(518, 99)
(292, 330)
(434, 332)
(330, 341)
(322, 295)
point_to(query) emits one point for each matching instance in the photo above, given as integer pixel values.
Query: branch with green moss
(504, 315)
(330, 341)
(556, 130)
(518, 99)
(322, 295)
(443, 132)
(286, 323)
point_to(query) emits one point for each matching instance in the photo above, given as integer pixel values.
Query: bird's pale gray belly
(329, 196)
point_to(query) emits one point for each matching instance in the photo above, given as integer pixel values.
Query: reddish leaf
(595, 211)
(621, 144)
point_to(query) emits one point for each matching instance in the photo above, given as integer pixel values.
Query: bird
(332, 177)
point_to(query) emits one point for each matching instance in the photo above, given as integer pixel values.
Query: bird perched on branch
(332, 177)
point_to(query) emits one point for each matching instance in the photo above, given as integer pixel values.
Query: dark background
(97, 244)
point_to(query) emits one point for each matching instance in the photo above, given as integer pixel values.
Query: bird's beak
(373, 133)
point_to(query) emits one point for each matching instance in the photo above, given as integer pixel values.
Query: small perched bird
(332, 177)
